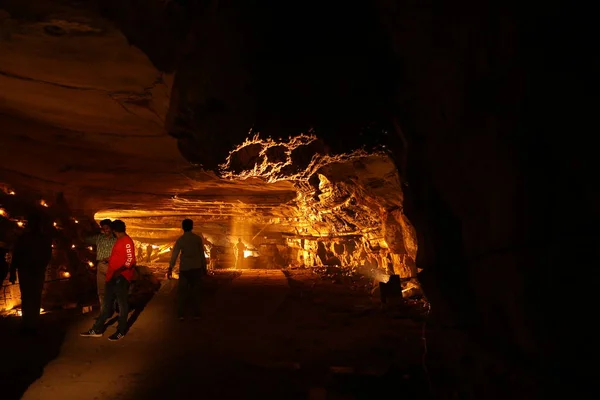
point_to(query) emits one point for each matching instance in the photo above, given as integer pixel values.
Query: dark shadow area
(141, 294)
(24, 358)
(318, 343)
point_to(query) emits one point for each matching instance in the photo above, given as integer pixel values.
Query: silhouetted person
(239, 252)
(149, 253)
(118, 277)
(31, 255)
(3, 262)
(104, 243)
(192, 267)
(140, 252)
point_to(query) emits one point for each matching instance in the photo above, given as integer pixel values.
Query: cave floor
(263, 334)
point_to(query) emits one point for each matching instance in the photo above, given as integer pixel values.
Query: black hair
(118, 226)
(187, 225)
(106, 222)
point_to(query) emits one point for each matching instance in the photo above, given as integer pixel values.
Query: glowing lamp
(43, 203)
(90, 248)
(75, 221)
(72, 246)
(66, 274)
(55, 224)
(12, 193)
(91, 264)
(3, 213)
(20, 224)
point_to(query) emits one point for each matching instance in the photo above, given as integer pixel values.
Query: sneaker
(91, 333)
(116, 336)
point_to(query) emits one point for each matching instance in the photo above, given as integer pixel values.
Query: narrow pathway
(162, 357)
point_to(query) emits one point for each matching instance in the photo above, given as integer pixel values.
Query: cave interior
(380, 138)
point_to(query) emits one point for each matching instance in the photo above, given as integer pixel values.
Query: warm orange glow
(20, 224)
(66, 274)
(75, 221)
(55, 224)
(43, 203)
(12, 193)
(90, 263)
(3, 213)
(72, 246)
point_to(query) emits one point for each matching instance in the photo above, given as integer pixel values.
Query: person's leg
(26, 287)
(122, 293)
(183, 287)
(36, 295)
(107, 308)
(101, 281)
(195, 288)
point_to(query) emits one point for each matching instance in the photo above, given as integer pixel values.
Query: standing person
(104, 243)
(239, 250)
(31, 255)
(118, 276)
(149, 253)
(3, 262)
(192, 267)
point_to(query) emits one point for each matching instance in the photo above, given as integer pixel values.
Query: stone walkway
(162, 356)
(257, 339)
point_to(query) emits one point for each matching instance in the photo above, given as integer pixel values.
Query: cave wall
(476, 92)
(492, 100)
(494, 155)
(70, 278)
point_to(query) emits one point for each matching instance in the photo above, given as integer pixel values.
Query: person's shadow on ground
(141, 294)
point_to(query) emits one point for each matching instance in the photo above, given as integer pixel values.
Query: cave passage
(294, 262)
(382, 164)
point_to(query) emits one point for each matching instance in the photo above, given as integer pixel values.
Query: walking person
(104, 243)
(31, 255)
(192, 267)
(118, 277)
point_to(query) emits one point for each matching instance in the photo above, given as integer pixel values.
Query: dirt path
(256, 339)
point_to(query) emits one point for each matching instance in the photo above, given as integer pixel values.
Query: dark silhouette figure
(192, 267)
(3, 263)
(31, 255)
(149, 253)
(239, 252)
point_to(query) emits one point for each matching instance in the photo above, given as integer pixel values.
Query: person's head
(187, 225)
(105, 225)
(239, 240)
(118, 228)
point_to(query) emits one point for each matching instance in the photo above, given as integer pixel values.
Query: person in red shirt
(118, 277)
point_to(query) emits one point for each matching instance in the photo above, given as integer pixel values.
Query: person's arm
(174, 257)
(16, 260)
